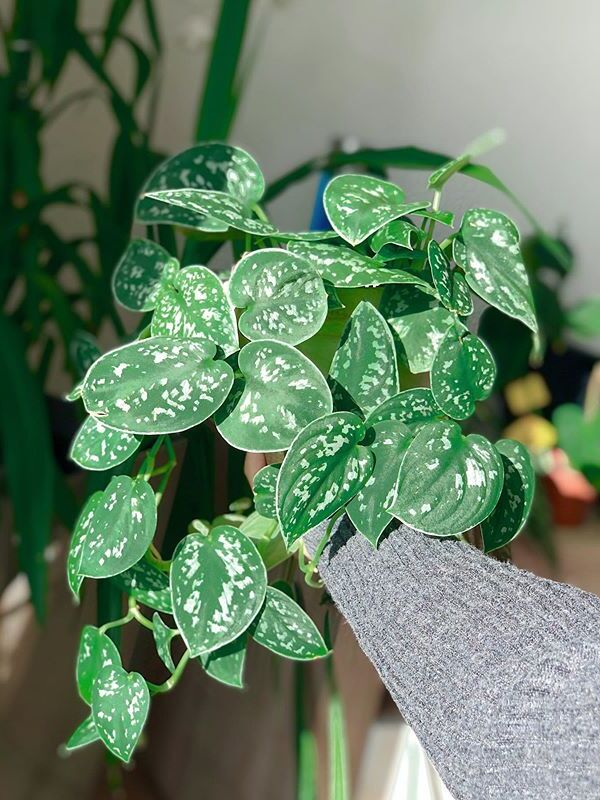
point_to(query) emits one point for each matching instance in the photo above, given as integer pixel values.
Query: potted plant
(299, 351)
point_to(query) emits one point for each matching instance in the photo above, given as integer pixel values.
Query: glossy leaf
(358, 205)
(282, 391)
(345, 268)
(121, 528)
(193, 304)
(367, 508)
(448, 482)
(78, 537)
(120, 704)
(283, 298)
(265, 482)
(460, 300)
(440, 272)
(96, 447)
(491, 258)
(226, 664)
(84, 734)
(218, 584)
(285, 629)
(420, 324)
(414, 407)
(463, 372)
(395, 234)
(323, 469)
(266, 535)
(163, 636)
(96, 651)
(443, 217)
(510, 515)
(364, 372)
(158, 385)
(146, 584)
(136, 278)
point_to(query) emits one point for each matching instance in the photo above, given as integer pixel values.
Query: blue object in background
(318, 220)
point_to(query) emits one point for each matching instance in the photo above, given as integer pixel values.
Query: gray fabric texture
(496, 670)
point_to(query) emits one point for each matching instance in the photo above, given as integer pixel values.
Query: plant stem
(171, 682)
(139, 617)
(312, 565)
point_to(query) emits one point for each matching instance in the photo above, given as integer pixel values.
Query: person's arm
(497, 671)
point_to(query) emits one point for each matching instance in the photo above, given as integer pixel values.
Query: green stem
(117, 623)
(312, 565)
(147, 467)
(171, 682)
(139, 617)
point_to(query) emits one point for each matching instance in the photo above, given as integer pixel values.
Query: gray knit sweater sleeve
(497, 671)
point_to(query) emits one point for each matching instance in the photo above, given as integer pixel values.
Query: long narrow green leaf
(116, 16)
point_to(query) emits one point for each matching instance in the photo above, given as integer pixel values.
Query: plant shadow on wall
(298, 351)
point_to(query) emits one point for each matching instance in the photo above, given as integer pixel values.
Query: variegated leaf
(344, 268)
(448, 482)
(463, 373)
(158, 385)
(84, 350)
(323, 469)
(212, 165)
(285, 629)
(263, 487)
(194, 305)
(96, 447)
(84, 734)
(219, 206)
(226, 664)
(364, 372)
(137, 276)
(358, 205)
(283, 298)
(367, 508)
(304, 236)
(218, 584)
(440, 272)
(460, 301)
(491, 258)
(121, 528)
(397, 234)
(163, 636)
(120, 704)
(96, 651)
(443, 217)
(414, 407)
(146, 584)
(78, 537)
(420, 324)
(510, 515)
(281, 392)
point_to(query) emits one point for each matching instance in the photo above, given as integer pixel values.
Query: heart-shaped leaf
(281, 392)
(420, 327)
(397, 234)
(84, 350)
(345, 268)
(120, 704)
(367, 508)
(163, 636)
(218, 584)
(283, 298)
(364, 372)
(285, 629)
(146, 584)
(510, 515)
(158, 385)
(121, 528)
(219, 206)
(323, 469)
(137, 276)
(413, 407)
(78, 537)
(96, 447)
(226, 664)
(491, 258)
(358, 205)
(96, 651)
(194, 305)
(213, 165)
(265, 482)
(463, 372)
(448, 482)
(84, 734)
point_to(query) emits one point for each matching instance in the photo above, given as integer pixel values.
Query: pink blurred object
(571, 495)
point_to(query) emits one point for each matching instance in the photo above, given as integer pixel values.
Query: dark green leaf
(413, 407)
(226, 664)
(146, 584)
(96, 447)
(136, 278)
(96, 651)
(120, 704)
(265, 482)
(285, 629)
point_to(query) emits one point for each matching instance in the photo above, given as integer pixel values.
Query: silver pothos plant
(300, 350)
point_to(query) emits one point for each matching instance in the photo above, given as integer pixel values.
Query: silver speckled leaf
(78, 537)
(463, 372)
(147, 584)
(358, 205)
(158, 385)
(367, 508)
(440, 272)
(226, 664)
(461, 300)
(84, 350)
(96, 651)
(413, 407)
(323, 469)
(264, 485)
(96, 447)
(194, 305)
(286, 629)
(218, 584)
(281, 392)
(84, 734)
(399, 233)
(120, 704)
(420, 325)
(491, 258)
(448, 482)
(364, 372)
(163, 636)
(121, 528)
(283, 298)
(137, 276)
